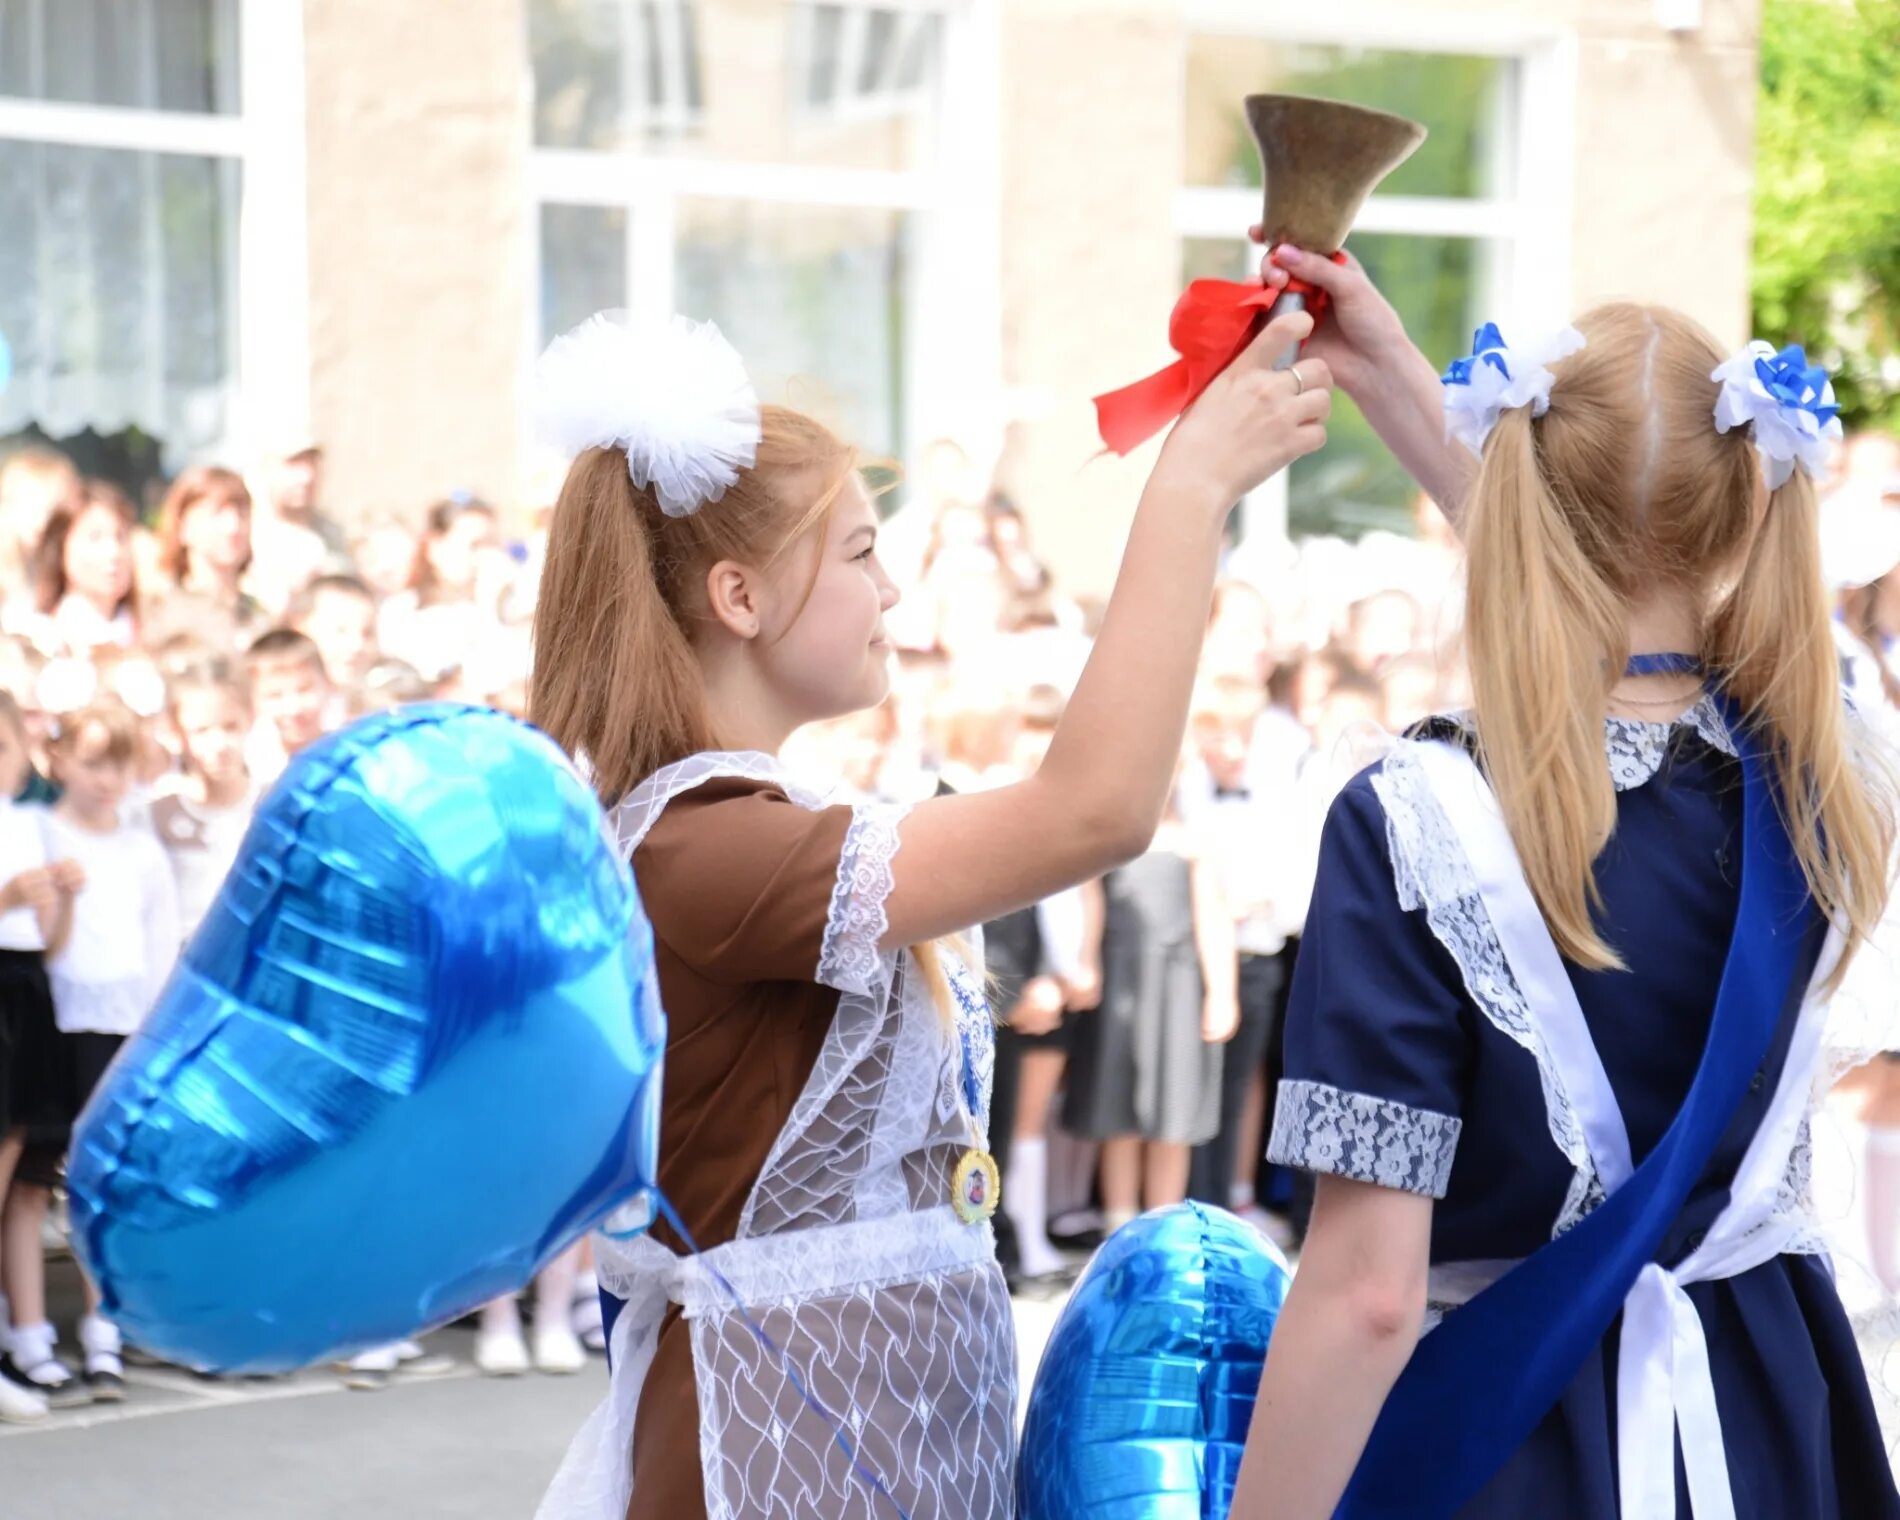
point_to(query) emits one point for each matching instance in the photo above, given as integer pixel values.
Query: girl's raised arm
(1098, 797)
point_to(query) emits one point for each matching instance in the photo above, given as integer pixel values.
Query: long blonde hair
(615, 677)
(1621, 489)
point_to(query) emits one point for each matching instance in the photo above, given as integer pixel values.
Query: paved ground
(451, 1446)
(447, 1446)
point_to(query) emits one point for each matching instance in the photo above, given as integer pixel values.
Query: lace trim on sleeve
(1348, 1134)
(850, 959)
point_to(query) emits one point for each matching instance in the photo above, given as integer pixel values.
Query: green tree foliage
(1827, 194)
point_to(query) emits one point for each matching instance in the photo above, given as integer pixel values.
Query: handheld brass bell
(1322, 158)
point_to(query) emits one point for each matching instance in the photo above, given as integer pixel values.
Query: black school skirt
(48, 1075)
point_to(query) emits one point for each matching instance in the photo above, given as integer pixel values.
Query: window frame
(951, 346)
(269, 249)
(1529, 286)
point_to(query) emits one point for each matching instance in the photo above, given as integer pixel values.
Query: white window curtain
(117, 264)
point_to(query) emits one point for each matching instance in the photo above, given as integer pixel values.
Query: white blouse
(202, 842)
(125, 929)
(22, 847)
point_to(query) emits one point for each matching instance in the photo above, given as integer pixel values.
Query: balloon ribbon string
(778, 1356)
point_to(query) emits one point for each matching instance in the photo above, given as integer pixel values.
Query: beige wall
(1665, 161)
(419, 217)
(416, 153)
(1092, 131)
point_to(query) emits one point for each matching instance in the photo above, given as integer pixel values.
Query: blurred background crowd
(211, 632)
(270, 292)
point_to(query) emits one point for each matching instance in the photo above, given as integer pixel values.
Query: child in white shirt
(123, 942)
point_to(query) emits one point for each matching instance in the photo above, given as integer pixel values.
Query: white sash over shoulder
(1664, 1385)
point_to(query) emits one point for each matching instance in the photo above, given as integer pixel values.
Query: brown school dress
(737, 881)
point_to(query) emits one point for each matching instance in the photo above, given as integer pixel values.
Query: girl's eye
(865, 555)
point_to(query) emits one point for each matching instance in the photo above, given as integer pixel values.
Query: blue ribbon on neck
(1664, 665)
(1480, 1383)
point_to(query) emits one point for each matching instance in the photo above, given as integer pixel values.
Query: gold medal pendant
(975, 1186)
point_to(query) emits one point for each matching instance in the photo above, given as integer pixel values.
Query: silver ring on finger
(1299, 380)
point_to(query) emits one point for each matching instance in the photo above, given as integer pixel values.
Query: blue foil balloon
(412, 1053)
(1141, 1403)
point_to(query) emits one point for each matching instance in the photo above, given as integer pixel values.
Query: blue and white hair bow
(1497, 377)
(1786, 404)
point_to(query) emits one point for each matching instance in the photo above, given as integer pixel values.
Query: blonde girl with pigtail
(1580, 961)
(841, 1347)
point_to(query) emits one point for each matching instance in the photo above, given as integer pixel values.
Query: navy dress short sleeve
(1378, 1032)
(1396, 1066)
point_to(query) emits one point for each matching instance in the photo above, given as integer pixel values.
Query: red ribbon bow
(1212, 322)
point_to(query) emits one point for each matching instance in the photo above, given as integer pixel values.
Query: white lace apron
(888, 1307)
(1664, 1384)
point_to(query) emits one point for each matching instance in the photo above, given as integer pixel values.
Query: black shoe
(54, 1382)
(107, 1387)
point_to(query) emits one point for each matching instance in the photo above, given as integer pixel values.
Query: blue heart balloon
(1141, 1403)
(413, 1052)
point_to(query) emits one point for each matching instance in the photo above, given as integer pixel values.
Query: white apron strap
(595, 1481)
(1663, 1382)
(1472, 809)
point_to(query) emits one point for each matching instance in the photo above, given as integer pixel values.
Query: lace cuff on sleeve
(850, 960)
(1347, 1134)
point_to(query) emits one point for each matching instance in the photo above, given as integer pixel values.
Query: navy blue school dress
(1415, 1060)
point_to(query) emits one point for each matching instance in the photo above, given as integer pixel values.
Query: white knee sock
(33, 1344)
(1025, 1196)
(99, 1338)
(586, 1310)
(502, 1317)
(1883, 1203)
(554, 1290)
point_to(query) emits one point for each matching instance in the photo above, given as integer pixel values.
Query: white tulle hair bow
(1786, 404)
(672, 392)
(1498, 377)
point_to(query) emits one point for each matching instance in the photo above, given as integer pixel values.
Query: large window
(120, 151)
(1451, 237)
(771, 164)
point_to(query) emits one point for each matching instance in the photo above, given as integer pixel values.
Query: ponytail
(1624, 490)
(615, 680)
(1770, 638)
(1539, 619)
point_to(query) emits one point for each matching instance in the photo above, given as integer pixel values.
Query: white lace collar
(1637, 748)
(640, 809)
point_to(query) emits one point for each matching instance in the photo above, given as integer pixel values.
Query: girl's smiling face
(824, 649)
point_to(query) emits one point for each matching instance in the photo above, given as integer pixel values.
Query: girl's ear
(734, 595)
